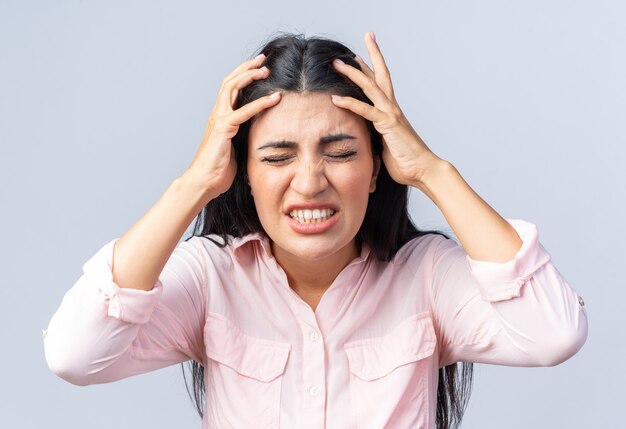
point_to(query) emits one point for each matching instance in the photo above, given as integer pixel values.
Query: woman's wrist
(197, 185)
(434, 177)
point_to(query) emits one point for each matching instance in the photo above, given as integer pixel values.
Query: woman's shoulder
(420, 246)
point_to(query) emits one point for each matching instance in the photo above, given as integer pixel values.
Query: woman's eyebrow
(287, 144)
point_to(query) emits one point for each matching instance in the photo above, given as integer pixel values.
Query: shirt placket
(313, 389)
(313, 374)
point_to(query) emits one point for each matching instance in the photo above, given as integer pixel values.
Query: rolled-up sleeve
(517, 313)
(102, 332)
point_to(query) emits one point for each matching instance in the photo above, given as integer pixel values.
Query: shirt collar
(238, 243)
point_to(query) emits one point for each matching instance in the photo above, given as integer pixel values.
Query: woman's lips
(310, 225)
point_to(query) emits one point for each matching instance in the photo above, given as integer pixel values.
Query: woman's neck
(310, 278)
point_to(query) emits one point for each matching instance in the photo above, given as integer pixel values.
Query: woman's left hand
(407, 158)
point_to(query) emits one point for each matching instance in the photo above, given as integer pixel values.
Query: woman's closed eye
(342, 155)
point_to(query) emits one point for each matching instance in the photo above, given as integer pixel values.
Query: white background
(103, 104)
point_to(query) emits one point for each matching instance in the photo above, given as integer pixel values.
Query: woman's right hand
(214, 165)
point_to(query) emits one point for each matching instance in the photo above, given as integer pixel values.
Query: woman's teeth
(311, 216)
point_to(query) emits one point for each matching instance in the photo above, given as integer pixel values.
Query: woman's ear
(375, 173)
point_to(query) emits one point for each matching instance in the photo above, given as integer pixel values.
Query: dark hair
(299, 64)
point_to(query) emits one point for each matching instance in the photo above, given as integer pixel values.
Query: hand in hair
(406, 156)
(214, 165)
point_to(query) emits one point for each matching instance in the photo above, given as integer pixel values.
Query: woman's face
(311, 170)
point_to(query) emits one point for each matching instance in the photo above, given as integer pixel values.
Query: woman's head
(310, 169)
(301, 69)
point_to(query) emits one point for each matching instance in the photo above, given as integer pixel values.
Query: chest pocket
(243, 376)
(393, 372)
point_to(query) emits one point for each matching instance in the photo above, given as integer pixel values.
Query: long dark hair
(299, 64)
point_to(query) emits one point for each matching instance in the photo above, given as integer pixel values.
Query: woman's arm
(484, 234)
(139, 304)
(521, 312)
(141, 253)
(143, 312)
(497, 298)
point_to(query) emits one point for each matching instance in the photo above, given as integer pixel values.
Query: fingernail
(258, 57)
(338, 61)
(274, 95)
(336, 97)
(372, 36)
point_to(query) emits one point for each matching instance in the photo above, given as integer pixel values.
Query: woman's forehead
(305, 113)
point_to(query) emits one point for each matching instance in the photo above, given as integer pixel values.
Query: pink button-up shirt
(367, 357)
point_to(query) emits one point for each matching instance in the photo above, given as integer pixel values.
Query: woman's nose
(309, 179)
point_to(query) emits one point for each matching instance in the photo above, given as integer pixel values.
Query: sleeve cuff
(498, 281)
(126, 304)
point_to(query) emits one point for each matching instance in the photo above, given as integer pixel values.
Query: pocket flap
(261, 359)
(412, 340)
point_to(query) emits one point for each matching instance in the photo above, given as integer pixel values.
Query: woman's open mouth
(312, 221)
(311, 216)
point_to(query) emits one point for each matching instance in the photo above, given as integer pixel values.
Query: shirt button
(581, 301)
(314, 391)
(314, 336)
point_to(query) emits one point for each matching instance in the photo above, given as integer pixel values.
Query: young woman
(305, 297)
